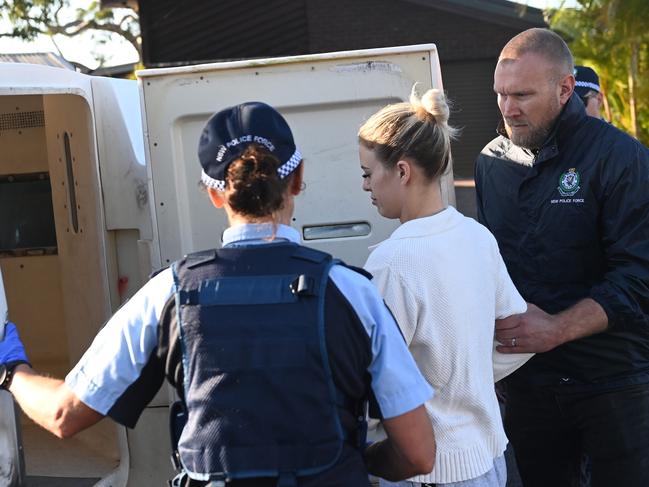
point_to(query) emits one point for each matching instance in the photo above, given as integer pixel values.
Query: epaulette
(196, 259)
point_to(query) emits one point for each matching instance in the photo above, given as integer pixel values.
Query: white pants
(496, 477)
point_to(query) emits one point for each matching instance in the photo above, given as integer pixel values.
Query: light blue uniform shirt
(123, 347)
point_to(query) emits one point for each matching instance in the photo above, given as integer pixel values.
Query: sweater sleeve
(397, 296)
(508, 302)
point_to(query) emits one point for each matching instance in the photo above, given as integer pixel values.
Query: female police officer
(272, 346)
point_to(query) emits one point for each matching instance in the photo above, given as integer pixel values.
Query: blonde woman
(442, 276)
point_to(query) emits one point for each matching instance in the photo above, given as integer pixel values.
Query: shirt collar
(258, 233)
(425, 226)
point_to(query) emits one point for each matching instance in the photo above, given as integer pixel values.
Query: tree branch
(57, 11)
(57, 47)
(31, 18)
(76, 27)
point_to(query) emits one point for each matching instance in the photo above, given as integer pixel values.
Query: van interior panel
(56, 285)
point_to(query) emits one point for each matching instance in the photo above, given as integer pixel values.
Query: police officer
(273, 347)
(588, 89)
(566, 197)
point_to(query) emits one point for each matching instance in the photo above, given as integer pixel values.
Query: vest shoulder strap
(196, 259)
(311, 255)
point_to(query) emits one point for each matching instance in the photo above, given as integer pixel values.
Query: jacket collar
(571, 117)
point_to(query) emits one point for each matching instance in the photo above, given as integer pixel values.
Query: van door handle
(336, 230)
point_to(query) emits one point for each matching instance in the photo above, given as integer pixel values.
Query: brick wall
(336, 25)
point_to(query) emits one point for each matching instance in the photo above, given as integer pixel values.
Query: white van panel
(325, 99)
(33, 79)
(124, 184)
(120, 145)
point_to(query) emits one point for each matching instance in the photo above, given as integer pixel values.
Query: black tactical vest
(260, 398)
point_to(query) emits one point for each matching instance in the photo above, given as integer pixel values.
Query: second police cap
(586, 80)
(229, 132)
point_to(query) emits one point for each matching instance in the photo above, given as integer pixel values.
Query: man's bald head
(544, 43)
(533, 80)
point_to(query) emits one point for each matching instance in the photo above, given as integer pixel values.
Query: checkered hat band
(289, 166)
(211, 182)
(284, 170)
(587, 84)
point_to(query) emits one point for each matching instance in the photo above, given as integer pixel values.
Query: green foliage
(31, 18)
(612, 37)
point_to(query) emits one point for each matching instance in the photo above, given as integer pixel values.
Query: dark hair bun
(254, 188)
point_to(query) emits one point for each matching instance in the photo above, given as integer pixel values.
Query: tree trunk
(607, 108)
(633, 75)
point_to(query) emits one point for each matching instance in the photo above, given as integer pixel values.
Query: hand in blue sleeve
(11, 348)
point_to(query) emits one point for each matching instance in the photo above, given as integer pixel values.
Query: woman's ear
(404, 170)
(298, 178)
(216, 197)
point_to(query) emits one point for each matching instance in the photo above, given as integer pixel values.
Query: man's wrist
(584, 318)
(561, 324)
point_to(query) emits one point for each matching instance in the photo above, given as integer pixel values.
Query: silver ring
(513, 342)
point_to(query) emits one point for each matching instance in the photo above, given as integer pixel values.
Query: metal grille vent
(21, 120)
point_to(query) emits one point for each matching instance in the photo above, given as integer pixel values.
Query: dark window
(26, 214)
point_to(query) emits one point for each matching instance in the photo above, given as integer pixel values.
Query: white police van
(94, 196)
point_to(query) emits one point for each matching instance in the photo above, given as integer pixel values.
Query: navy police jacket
(572, 222)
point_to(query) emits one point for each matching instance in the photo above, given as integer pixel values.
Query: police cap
(229, 132)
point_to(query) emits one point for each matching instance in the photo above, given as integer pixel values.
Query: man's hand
(537, 331)
(532, 331)
(11, 348)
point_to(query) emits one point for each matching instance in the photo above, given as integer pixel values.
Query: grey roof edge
(116, 70)
(503, 12)
(42, 58)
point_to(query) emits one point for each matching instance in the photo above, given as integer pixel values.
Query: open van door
(64, 259)
(324, 97)
(12, 466)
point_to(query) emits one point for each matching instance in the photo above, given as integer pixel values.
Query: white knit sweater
(445, 281)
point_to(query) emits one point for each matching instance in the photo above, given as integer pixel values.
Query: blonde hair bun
(433, 103)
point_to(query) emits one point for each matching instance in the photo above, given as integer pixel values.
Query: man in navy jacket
(567, 198)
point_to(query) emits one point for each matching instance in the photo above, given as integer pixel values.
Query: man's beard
(536, 134)
(533, 139)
